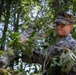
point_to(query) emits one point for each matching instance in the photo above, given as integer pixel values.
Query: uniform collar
(66, 37)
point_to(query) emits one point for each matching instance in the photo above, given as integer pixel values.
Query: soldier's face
(62, 29)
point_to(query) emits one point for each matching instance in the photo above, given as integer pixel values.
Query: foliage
(64, 62)
(16, 16)
(6, 72)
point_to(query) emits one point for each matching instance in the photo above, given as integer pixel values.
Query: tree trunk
(6, 22)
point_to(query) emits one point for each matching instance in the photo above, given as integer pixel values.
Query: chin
(61, 36)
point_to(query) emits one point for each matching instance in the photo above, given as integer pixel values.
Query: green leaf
(23, 73)
(10, 51)
(2, 53)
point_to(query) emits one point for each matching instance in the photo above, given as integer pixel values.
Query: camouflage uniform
(66, 42)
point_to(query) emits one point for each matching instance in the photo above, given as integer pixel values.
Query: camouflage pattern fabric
(59, 47)
(64, 18)
(66, 42)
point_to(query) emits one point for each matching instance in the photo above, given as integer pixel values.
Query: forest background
(35, 16)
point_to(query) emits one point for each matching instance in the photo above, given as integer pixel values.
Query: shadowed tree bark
(1, 7)
(6, 22)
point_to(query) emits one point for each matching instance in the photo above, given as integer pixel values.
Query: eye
(63, 24)
(60, 25)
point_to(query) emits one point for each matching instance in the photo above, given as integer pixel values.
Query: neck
(60, 37)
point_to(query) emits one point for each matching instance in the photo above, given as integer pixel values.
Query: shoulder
(71, 41)
(67, 42)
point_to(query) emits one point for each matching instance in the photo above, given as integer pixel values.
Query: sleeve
(58, 48)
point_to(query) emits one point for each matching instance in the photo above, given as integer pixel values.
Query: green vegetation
(36, 17)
